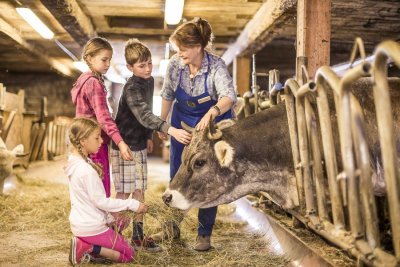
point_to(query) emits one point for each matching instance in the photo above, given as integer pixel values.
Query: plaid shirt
(219, 82)
(135, 119)
(90, 98)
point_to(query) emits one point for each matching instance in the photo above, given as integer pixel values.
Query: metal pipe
(346, 145)
(326, 75)
(303, 145)
(254, 87)
(363, 163)
(386, 132)
(291, 87)
(358, 248)
(313, 134)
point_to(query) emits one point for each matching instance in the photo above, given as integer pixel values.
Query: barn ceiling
(74, 21)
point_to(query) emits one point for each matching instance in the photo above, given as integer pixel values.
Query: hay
(44, 207)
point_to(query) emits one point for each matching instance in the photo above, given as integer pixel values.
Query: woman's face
(101, 61)
(189, 54)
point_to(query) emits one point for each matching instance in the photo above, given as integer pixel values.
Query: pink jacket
(89, 96)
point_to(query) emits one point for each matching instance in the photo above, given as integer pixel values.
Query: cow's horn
(186, 127)
(213, 133)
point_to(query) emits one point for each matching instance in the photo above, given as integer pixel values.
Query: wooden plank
(241, 74)
(72, 18)
(257, 31)
(15, 35)
(313, 34)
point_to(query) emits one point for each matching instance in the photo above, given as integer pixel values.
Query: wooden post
(313, 35)
(241, 74)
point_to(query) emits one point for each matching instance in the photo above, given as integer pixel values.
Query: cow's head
(7, 158)
(205, 172)
(223, 163)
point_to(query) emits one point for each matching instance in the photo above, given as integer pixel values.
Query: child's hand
(162, 136)
(150, 145)
(180, 135)
(142, 208)
(125, 151)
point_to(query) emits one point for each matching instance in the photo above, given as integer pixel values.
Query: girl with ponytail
(90, 97)
(90, 208)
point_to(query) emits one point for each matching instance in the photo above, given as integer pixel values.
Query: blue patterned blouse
(219, 82)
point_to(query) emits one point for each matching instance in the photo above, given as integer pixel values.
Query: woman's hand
(180, 135)
(142, 208)
(125, 151)
(211, 114)
(150, 145)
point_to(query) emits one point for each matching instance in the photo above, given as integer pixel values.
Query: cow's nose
(167, 198)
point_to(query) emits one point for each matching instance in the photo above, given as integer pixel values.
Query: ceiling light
(35, 22)
(173, 11)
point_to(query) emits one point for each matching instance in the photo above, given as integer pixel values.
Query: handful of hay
(158, 214)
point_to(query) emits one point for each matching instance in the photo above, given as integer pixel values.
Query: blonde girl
(89, 95)
(89, 205)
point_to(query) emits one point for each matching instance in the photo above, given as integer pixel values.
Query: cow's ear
(213, 133)
(224, 153)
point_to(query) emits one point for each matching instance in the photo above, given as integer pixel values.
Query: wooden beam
(241, 74)
(258, 31)
(72, 18)
(11, 32)
(313, 35)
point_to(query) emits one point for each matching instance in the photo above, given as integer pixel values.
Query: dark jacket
(135, 119)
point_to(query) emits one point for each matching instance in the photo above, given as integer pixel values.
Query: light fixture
(173, 11)
(35, 22)
(162, 68)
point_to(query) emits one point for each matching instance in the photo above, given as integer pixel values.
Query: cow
(222, 164)
(7, 158)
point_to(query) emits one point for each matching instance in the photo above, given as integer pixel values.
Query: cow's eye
(199, 163)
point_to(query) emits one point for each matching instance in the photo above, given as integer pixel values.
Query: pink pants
(114, 241)
(102, 157)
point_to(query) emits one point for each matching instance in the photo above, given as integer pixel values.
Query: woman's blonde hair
(92, 48)
(195, 32)
(80, 129)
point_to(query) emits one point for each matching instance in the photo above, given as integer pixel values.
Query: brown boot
(169, 231)
(203, 243)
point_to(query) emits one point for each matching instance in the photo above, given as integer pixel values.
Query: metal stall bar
(291, 87)
(363, 163)
(346, 145)
(325, 74)
(385, 50)
(303, 145)
(313, 135)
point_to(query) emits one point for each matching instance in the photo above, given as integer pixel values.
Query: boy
(135, 121)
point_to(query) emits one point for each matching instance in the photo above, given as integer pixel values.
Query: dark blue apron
(188, 109)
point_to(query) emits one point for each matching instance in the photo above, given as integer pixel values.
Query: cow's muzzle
(167, 198)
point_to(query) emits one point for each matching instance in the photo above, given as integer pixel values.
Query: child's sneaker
(79, 251)
(146, 244)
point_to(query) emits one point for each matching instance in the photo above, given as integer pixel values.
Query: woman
(199, 87)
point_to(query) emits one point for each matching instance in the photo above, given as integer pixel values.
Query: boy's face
(142, 69)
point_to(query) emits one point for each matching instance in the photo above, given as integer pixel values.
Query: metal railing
(350, 189)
